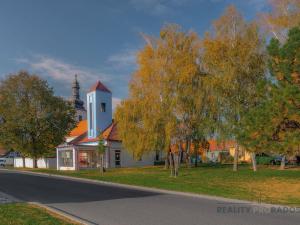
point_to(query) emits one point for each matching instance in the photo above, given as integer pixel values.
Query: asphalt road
(110, 205)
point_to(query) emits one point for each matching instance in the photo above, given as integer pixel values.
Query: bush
(264, 160)
(225, 157)
(159, 163)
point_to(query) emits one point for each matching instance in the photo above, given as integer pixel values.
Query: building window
(66, 158)
(103, 107)
(87, 159)
(91, 115)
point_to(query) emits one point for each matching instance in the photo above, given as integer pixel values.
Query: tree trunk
(34, 162)
(171, 160)
(101, 164)
(187, 154)
(176, 164)
(167, 163)
(254, 161)
(236, 158)
(196, 157)
(24, 165)
(282, 165)
(179, 155)
(187, 160)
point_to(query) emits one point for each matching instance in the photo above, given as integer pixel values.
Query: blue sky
(97, 39)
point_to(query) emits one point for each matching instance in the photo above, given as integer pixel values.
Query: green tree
(274, 124)
(101, 152)
(33, 120)
(257, 126)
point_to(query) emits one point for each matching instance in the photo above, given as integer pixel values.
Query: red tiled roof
(99, 86)
(80, 129)
(215, 146)
(86, 139)
(110, 134)
(2, 151)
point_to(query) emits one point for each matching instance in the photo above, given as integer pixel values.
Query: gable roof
(80, 129)
(109, 134)
(100, 87)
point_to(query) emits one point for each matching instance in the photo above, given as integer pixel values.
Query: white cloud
(157, 7)
(126, 58)
(163, 7)
(61, 71)
(61, 75)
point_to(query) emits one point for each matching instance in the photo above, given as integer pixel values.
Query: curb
(62, 214)
(155, 190)
(5, 198)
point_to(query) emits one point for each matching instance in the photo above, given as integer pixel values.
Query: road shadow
(49, 190)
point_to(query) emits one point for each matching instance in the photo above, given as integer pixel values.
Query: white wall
(101, 120)
(46, 163)
(127, 159)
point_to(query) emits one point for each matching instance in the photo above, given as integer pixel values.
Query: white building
(80, 147)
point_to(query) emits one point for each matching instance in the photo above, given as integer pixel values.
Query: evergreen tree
(274, 124)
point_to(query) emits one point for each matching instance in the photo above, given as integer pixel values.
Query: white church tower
(99, 109)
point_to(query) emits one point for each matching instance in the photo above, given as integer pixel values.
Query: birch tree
(284, 15)
(234, 54)
(166, 96)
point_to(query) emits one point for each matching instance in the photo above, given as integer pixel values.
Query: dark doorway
(117, 158)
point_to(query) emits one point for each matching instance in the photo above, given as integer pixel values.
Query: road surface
(110, 205)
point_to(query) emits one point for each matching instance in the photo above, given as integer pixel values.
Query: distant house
(79, 151)
(226, 147)
(213, 151)
(3, 151)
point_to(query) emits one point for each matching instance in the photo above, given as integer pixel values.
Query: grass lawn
(26, 214)
(268, 184)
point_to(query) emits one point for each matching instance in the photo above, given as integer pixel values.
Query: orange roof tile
(2, 151)
(80, 129)
(99, 86)
(107, 131)
(110, 134)
(215, 146)
(86, 139)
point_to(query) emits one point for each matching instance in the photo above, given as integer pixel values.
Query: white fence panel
(49, 163)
